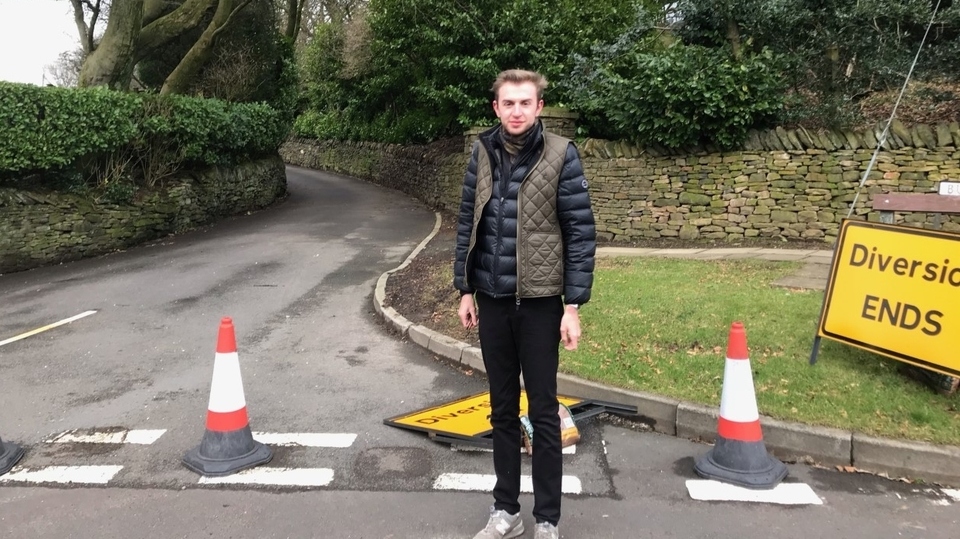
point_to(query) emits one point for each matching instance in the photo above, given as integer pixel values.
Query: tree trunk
(733, 36)
(111, 64)
(85, 31)
(165, 29)
(186, 72)
(294, 17)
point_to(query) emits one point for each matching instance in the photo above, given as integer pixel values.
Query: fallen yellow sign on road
(466, 417)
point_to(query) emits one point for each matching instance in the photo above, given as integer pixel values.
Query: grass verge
(661, 325)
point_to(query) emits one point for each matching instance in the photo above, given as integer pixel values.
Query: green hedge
(56, 128)
(684, 95)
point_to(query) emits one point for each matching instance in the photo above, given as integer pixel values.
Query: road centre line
(83, 436)
(570, 484)
(784, 493)
(305, 439)
(297, 477)
(95, 475)
(47, 327)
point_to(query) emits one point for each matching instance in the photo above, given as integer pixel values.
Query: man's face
(517, 106)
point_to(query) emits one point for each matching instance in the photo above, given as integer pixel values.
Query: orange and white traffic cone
(227, 445)
(739, 455)
(10, 453)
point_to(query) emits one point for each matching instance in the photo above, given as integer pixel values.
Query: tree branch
(179, 81)
(185, 18)
(85, 31)
(226, 22)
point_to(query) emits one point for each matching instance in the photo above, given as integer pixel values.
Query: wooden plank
(916, 202)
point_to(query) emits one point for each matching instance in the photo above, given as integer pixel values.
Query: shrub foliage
(139, 137)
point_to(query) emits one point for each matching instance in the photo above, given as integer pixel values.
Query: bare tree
(65, 72)
(301, 16)
(86, 15)
(294, 16)
(232, 75)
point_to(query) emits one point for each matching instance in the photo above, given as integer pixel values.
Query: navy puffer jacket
(559, 234)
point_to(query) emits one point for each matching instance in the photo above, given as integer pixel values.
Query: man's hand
(569, 327)
(468, 311)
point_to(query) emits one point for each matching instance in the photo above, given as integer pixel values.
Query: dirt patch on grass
(423, 292)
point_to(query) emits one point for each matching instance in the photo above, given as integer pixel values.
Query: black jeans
(525, 339)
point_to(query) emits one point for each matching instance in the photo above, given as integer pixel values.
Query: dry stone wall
(789, 184)
(43, 228)
(432, 173)
(797, 194)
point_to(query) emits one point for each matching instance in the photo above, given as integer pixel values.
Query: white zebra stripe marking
(294, 477)
(81, 436)
(784, 493)
(305, 439)
(90, 475)
(485, 483)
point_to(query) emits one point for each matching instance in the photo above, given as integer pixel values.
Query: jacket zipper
(499, 182)
(520, 244)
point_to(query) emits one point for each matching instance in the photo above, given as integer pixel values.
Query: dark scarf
(512, 144)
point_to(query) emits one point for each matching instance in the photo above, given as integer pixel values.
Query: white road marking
(784, 493)
(953, 493)
(97, 475)
(485, 483)
(45, 328)
(305, 439)
(82, 436)
(298, 477)
(569, 450)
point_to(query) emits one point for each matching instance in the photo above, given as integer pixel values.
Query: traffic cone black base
(227, 445)
(745, 464)
(248, 453)
(10, 454)
(739, 456)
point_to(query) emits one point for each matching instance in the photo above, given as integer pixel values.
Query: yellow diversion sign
(463, 418)
(895, 291)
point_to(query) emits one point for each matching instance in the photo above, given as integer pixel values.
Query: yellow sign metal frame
(895, 291)
(465, 418)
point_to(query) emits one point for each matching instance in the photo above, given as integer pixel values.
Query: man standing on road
(525, 253)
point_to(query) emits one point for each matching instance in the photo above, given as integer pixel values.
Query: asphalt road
(298, 279)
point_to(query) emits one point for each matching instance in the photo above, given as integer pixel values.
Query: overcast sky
(33, 33)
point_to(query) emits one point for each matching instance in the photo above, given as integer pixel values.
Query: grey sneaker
(545, 530)
(502, 525)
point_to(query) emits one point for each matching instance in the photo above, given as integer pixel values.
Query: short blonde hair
(519, 76)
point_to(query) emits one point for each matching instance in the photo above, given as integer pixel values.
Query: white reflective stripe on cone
(226, 391)
(738, 402)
